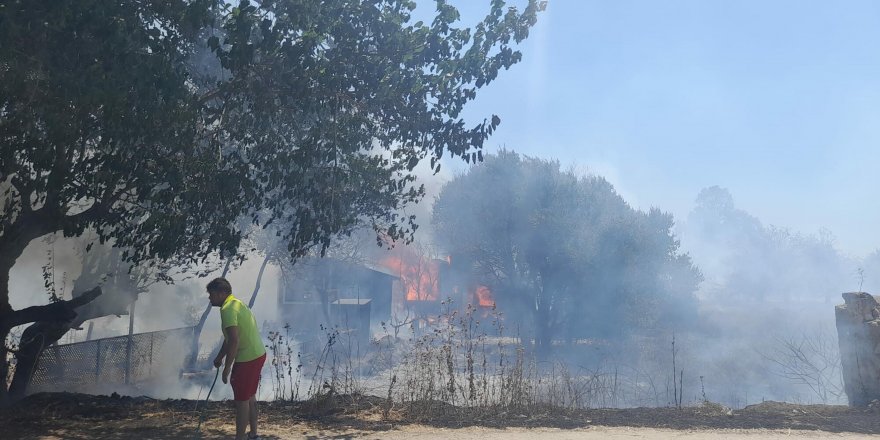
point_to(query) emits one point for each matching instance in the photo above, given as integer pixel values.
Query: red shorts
(245, 377)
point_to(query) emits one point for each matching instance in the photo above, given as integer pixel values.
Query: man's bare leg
(242, 408)
(253, 415)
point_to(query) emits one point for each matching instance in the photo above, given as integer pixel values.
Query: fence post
(128, 347)
(98, 361)
(152, 336)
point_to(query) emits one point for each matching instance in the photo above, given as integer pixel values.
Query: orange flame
(484, 296)
(419, 276)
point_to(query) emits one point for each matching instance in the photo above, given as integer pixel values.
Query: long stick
(202, 413)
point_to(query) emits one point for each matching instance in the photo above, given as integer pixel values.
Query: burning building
(424, 283)
(309, 294)
(404, 286)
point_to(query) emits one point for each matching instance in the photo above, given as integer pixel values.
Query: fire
(484, 296)
(419, 276)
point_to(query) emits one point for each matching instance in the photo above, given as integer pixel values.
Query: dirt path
(597, 433)
(83, 417)
(417, 432)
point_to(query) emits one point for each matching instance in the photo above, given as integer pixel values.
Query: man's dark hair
(220, 285)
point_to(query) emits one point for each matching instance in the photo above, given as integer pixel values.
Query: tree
(565, 250)
(120, 285)
(157, 124)
(747, 260)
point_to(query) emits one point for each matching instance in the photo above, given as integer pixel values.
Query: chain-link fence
(117, 360)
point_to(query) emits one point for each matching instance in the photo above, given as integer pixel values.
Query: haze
(775, 101)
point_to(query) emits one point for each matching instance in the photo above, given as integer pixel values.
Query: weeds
(464, 358)
(677, 386)
(283, 378)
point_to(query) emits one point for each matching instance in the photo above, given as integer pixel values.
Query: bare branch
(59, 311)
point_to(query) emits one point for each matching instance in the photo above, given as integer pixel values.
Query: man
(244, 353)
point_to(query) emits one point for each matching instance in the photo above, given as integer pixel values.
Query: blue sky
(777, 101)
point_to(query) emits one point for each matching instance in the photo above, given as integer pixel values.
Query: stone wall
(858, 332)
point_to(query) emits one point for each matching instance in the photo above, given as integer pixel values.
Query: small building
(308, 292)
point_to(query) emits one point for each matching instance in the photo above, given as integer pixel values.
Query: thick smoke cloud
(766, 292)
(759, 326)
(769, 295)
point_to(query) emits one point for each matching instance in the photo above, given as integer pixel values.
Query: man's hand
(226, 374)
(218, 361)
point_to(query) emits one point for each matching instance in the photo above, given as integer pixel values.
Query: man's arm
(218, 361)
(231, 346)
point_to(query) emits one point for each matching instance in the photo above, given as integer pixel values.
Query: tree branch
(59, 311)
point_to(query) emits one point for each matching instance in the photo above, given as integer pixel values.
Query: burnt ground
(80, 416)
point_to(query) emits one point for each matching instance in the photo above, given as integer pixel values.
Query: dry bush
(285, 384)
(463, 358)
(322, 375)
(811, 360)
(466, 360)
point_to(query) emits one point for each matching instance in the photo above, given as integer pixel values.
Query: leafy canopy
(159, 123)
(561, 248)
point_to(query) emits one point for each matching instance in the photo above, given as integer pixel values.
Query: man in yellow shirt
(244, 353)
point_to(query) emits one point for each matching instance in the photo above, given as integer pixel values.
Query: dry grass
(82, 417)
(462, 358)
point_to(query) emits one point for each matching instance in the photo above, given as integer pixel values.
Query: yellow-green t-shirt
(234, 313)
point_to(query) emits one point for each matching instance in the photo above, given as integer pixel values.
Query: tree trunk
(5, 311)
(34, 338)
(4, 367)
(257, 285)
(5, 268)
(45, 333)
(28, 226)
(51, 321)
(197, 332)
(543, 331)
(324, 289)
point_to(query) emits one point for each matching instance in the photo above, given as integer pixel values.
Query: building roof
(351, 301)
(381, 270)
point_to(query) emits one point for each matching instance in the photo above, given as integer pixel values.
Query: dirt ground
(78, 416)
